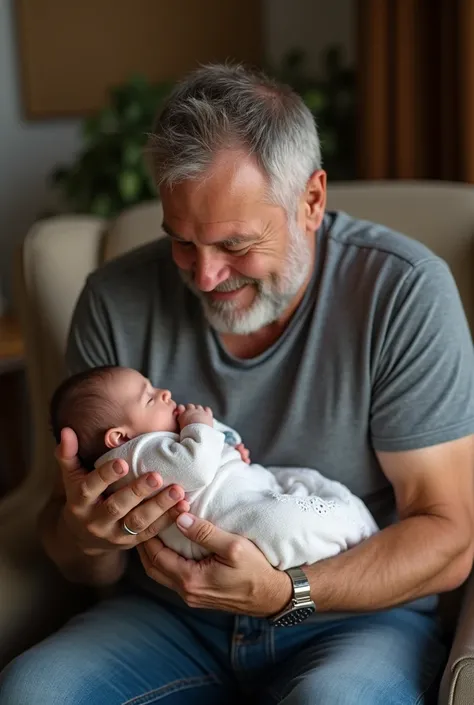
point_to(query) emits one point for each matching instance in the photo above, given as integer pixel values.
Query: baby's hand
(194, 413)
(244, 453)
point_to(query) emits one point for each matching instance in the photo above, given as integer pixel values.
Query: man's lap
(132, 650)
(125, 650)
(386, 658)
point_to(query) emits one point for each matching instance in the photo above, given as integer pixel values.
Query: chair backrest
(58, 254)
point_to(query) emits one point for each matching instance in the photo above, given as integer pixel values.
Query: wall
(311, 25)
(29, 150)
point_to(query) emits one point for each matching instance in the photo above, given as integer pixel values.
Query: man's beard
(272, 296)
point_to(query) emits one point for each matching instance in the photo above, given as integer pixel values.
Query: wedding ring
(127, 530)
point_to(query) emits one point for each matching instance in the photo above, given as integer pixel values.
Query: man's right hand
(96, 521)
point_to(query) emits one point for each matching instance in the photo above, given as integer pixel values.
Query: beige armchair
(56, 257)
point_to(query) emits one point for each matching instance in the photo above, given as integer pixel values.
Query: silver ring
(127, 530)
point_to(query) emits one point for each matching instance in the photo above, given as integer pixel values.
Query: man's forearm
(59, 544)
(420, 556)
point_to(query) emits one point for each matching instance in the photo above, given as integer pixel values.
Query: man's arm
(429, 551)
(60, 544)
(73, 563)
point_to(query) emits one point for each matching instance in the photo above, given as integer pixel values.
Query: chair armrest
(457, 686)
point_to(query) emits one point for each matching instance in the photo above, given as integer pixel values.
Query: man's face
(238, 253)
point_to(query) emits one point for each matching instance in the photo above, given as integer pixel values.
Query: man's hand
(95, 521)
(236, 578)
(194, 413)
(244, 453)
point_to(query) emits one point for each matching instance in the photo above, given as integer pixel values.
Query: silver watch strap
(301, 586)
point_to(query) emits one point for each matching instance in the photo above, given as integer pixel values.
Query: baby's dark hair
(81, 402)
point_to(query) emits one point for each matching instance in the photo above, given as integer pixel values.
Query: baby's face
(146, 408)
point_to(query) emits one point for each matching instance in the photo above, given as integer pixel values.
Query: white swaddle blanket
(294, 515)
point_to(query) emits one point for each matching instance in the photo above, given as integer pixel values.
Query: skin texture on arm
(429, 551)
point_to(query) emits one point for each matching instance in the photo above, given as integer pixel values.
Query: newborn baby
(295, 516)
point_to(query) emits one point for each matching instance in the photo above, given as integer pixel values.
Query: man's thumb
(205, 534)
(66, 455)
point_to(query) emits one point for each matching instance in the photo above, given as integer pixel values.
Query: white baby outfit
(294, 515)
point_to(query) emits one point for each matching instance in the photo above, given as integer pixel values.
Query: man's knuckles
(203, 533)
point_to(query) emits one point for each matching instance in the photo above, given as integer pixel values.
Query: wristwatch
(300, 606)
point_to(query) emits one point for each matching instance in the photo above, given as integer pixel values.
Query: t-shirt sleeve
(423, 388)
(90, 338)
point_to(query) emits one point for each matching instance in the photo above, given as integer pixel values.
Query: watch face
(296, 616)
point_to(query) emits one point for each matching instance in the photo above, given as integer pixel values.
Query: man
(361, 333)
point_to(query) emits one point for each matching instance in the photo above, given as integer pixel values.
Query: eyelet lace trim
(308, 504)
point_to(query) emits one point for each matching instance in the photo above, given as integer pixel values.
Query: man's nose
(210, 269)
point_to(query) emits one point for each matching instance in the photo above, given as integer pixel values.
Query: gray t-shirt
(378, 356)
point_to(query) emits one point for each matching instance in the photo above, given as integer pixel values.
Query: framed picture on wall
(71, 53)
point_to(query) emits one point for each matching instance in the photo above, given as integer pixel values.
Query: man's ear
(315, 200)
(115, 437)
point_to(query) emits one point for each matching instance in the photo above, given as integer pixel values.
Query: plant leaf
(129, 185)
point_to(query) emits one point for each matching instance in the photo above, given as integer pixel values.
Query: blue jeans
(131, 650)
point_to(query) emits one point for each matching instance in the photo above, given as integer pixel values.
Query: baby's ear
(115, 437)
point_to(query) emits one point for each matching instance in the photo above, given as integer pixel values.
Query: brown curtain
(416, 89)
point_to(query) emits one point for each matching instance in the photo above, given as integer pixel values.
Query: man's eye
(237, 250)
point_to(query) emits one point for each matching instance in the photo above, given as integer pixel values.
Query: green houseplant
(331, 98)
(109, 173)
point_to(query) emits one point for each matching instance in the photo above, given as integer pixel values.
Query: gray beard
(272, 299)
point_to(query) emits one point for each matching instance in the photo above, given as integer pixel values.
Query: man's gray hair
(225, 106)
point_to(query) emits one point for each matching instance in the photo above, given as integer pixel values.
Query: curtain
(416, 89)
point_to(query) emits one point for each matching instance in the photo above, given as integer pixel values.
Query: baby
(295, 516)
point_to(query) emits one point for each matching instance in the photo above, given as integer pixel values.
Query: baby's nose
(166, 395)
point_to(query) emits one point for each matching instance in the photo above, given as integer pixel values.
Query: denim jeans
(131, 650)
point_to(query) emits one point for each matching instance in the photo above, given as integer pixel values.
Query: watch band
(301, 586)
(301, 606)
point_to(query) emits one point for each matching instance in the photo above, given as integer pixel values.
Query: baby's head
(107, 406)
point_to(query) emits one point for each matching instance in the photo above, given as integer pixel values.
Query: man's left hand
(236, 577)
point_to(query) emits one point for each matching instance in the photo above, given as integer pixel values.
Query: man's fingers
(148, 553)
(165, 565)
(215, 540)
(95, 483)
(166, 520)
(153, 516)
(121, 501)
